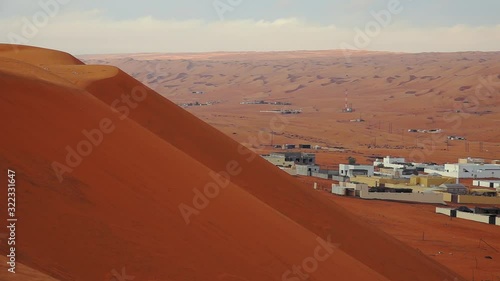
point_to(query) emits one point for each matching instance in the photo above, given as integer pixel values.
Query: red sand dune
(119, 208)
(24, 273)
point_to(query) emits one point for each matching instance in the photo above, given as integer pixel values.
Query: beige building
(430, 181)
(376, 181)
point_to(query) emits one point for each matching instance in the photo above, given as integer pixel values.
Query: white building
(467, 171)
(487, 183)
(400, 163)
(391, 162)
(470, 160)
(307, 170)
(355, 170)
(423, 166)
(399, 173)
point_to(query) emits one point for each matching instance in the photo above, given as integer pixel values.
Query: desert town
(391, 157)
(387, 179)
(469, 182)
(230, 140)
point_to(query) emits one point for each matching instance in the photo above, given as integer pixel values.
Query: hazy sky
(124, 26)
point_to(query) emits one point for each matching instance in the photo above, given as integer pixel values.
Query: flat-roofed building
(454, 188)
(307, 170)
(487, 183)
(355, 170)
(467, 171)
(290, 159)
(430, 181)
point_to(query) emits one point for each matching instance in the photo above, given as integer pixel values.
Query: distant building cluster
(438, 131)
(192, 104)
(266, 102)
(290, 159)
(299, 163)
(394, 178)
(468, 168)
(283, 111)
(307, 146)
(456, 138)
(432, 131)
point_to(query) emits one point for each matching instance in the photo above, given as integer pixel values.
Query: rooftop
(293, 154)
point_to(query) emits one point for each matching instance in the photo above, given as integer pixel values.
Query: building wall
(289, 160)
(394, 166)
(320, 175)
(338, 190)
(339, 178)
(432, 198)
(374, 181)
(473, 217)
(306, 170)
(278, 161)
(469, 199)
(347, 170)
(431, 181)
(290, 171)
(461, 190)
(356, 186)
(370, 181)
(469, 171)
(447, 197)
(471, 161)
(467, 216)
(415, 180)
(388, 162)
(444, 211)
(424, 166)
(486, 183)
(390, 171)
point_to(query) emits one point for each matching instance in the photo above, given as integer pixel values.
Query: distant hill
(393, 92)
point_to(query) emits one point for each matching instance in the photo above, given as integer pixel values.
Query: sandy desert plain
(391, 92)
(116, 208)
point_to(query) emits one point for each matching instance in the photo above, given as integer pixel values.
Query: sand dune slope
(24, 273)
(37, 56)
